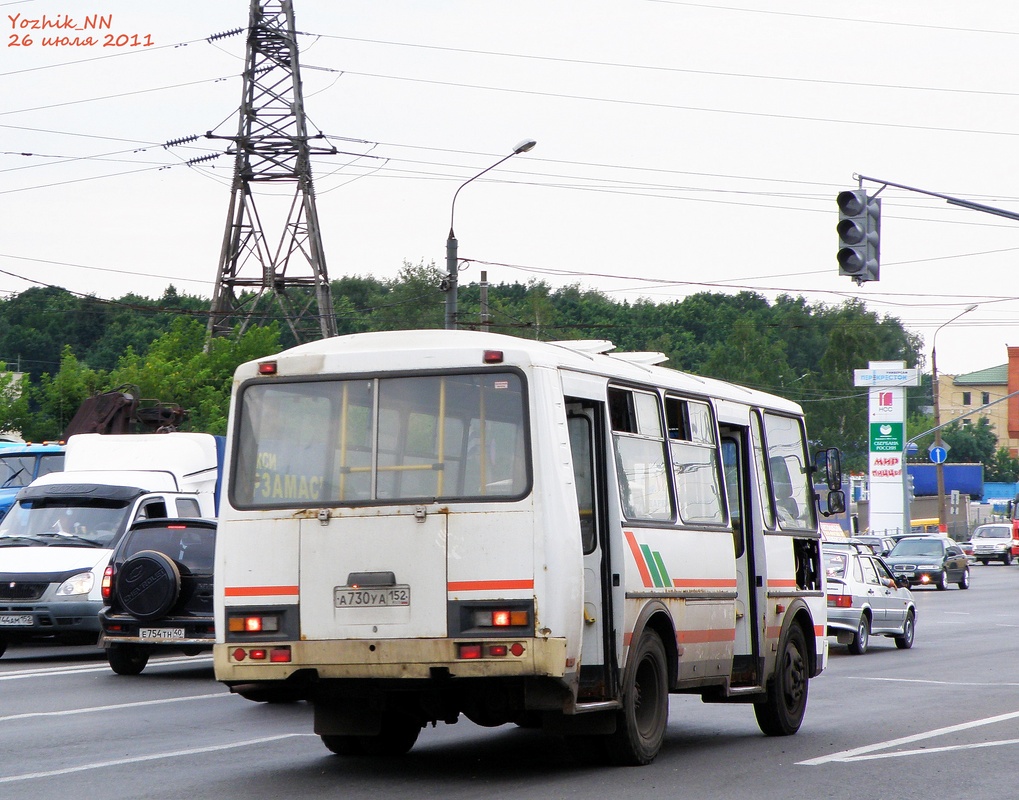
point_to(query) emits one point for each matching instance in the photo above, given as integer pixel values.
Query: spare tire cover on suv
(148, 585)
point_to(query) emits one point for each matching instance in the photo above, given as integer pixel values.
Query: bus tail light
(274, 655)
(255, 623)
(476, 650)
(500, 618)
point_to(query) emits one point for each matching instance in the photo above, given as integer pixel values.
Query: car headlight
(81, 583)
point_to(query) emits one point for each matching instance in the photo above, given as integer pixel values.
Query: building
(962, 394)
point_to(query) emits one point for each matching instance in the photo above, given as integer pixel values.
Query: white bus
(423, 524)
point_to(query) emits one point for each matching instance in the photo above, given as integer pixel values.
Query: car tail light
(840, 601)
(107, 584)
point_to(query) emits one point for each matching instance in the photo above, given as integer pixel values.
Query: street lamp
(451, 244)
(939, 467)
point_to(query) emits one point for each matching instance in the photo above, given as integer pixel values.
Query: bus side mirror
(829, 463)
(835, 503)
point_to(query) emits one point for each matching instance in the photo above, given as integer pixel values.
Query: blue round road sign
(938, 455)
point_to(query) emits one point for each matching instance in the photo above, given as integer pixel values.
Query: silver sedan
(864, 599)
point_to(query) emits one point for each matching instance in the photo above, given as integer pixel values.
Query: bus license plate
(16, 620)
(371, 597)
(160, 633)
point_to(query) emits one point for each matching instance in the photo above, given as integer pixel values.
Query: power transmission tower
(272, 147)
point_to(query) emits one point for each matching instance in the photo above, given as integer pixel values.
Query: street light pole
(939, 467)
(452, 267)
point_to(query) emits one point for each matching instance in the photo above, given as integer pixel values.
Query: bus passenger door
(586, 420)
(747, 665)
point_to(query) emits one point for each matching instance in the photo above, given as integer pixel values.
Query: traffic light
(859, 231)
(910, 489)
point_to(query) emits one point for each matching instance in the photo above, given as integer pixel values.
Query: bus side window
(583, 473)
(694, 461)
(639, 443)
(788, 510)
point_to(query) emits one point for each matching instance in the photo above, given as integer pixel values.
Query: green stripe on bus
(666, 580)
(649, 559)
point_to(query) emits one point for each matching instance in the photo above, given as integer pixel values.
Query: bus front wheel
(640, 727)
(781, 713)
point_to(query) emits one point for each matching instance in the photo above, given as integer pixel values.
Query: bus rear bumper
(391, 659)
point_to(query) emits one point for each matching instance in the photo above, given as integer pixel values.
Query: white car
(992, 542)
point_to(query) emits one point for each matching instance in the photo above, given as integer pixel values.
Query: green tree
(13, 401)
(178, 369)
(749, 356)
(1003, 467)
(970, 444)
(56, 399)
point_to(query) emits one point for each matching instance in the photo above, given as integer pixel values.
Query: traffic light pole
(954, 201)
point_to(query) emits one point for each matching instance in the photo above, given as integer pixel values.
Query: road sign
(938, 454)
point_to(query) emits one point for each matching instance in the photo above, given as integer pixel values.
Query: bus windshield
(382, 440)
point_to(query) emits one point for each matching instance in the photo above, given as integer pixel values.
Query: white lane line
(154, 757)
(48, 671)
(982, 684)
(73, 711)
(926, 750)
(855, 753)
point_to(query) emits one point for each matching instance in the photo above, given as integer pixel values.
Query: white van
(57, 539)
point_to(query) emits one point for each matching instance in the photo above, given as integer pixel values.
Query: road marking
(932, 683)
(48, 671)
(93, 709)
(863, 753)
(154, 757)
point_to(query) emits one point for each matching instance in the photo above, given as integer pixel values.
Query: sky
(682, 147)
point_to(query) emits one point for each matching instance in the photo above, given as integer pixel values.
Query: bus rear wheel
(641, 724)
(781, 713)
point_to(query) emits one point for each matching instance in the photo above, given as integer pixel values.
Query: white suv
(992, 542)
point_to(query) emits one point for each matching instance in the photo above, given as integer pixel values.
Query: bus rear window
(383, 440)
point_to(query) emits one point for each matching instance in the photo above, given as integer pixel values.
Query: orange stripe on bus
(702, 636)
(259, 591)
(638, 556)
(707, 583)
(783, 584)
(487, 586)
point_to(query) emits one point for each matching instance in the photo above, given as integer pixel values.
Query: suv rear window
(194, 547)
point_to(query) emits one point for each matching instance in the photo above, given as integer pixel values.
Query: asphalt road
(938, 721)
